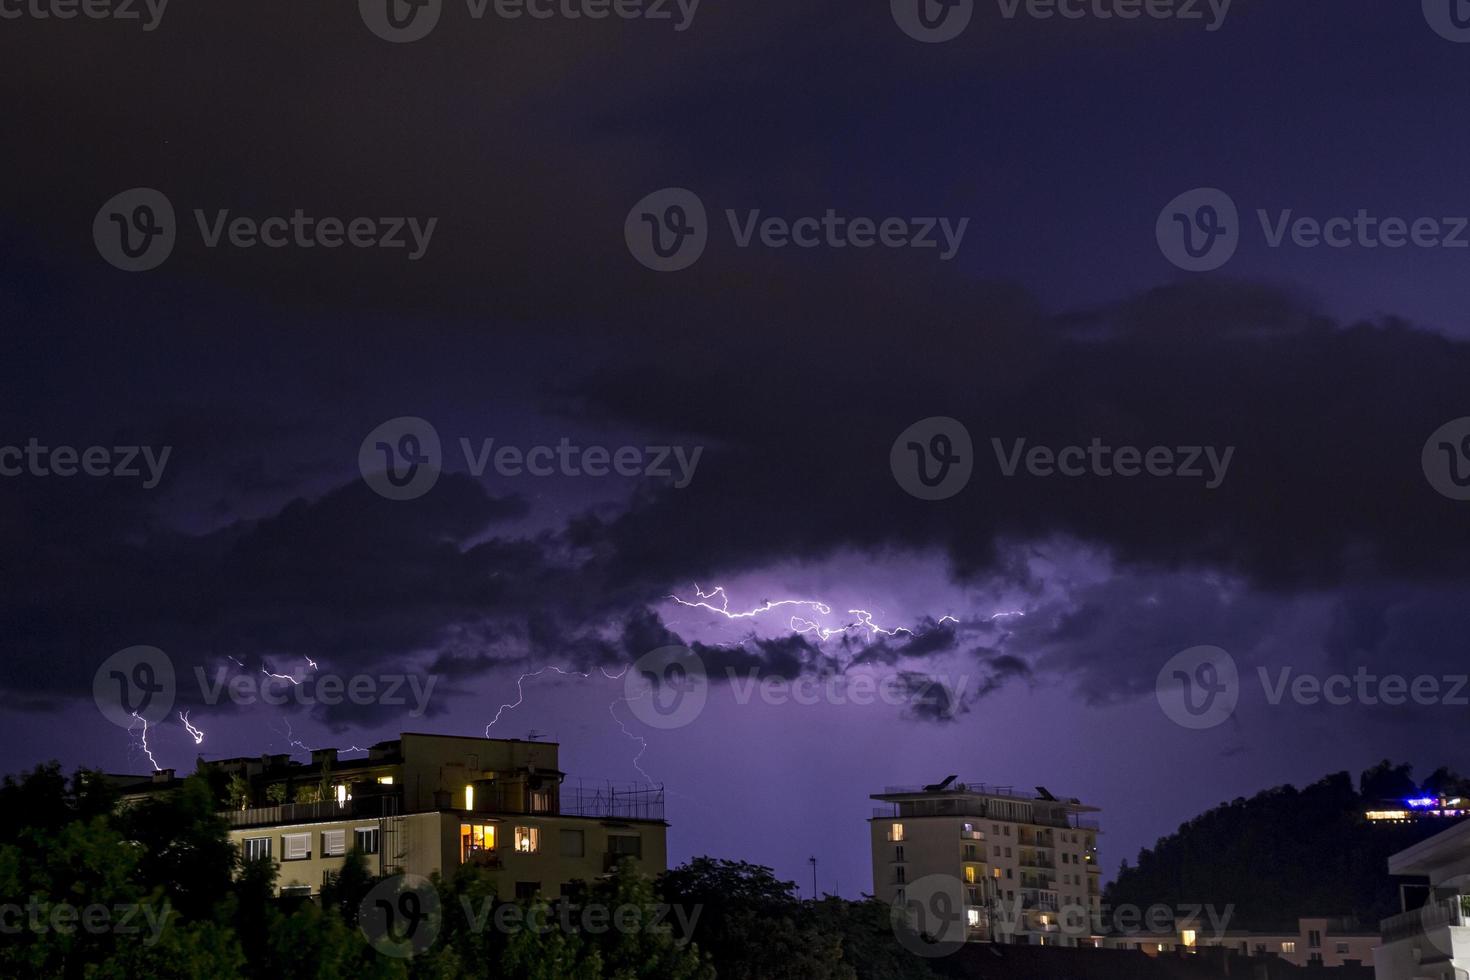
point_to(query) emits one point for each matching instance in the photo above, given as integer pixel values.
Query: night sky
(527, 319)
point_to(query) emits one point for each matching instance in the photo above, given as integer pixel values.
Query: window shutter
(296, 847)
(334, 843)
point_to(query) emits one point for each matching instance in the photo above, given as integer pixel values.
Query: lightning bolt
(723, 608)
(195, 733)
(311, 662)
(282, 677)
(521, 693)
(144, 741)
(642, 742)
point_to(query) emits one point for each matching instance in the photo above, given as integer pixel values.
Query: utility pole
(813, 862)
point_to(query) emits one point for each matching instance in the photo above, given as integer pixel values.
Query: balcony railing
(1454, 911)
(287, 813)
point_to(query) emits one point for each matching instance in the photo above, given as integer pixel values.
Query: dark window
(625, 845)
(526, 890)
(573, 843)
(365, 841)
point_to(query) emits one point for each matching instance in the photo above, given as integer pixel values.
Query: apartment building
(1027, 862)
(423, 803)
(1430, 939)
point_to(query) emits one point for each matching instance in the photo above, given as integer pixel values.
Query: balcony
(290, 813)
(971, 835)
(1439, 914)
(1041, 901)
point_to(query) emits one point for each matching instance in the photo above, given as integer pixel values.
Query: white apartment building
(1027, 863)
(1431, 942)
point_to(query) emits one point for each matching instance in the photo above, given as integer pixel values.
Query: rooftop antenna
(814, 877)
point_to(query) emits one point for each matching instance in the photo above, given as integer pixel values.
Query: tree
(752, 925)
(237, 792)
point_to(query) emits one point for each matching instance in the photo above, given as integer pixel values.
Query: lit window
(469, 797)
(1288, 947)
(974, 917)
(386, 780)
(1188, 935)
(969, 874)
(896, 832)
(341, 793)
(475, 838)
(528, 840)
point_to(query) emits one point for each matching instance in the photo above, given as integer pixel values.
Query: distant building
(1317, 941)
(1024, 860)
(1418, 809)
(424, 803)
(1432, 941)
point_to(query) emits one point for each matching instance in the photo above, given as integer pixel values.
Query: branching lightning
(194, 733)
(724, 607)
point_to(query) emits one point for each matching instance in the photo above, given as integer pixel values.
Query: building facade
(421, 803)
(1430, 941)
(1027, 863)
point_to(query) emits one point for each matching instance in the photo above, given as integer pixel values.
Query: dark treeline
(89, 889)
(1286, 853)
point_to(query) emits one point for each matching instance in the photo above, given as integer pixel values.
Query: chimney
(324, 757)
(163, 775)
